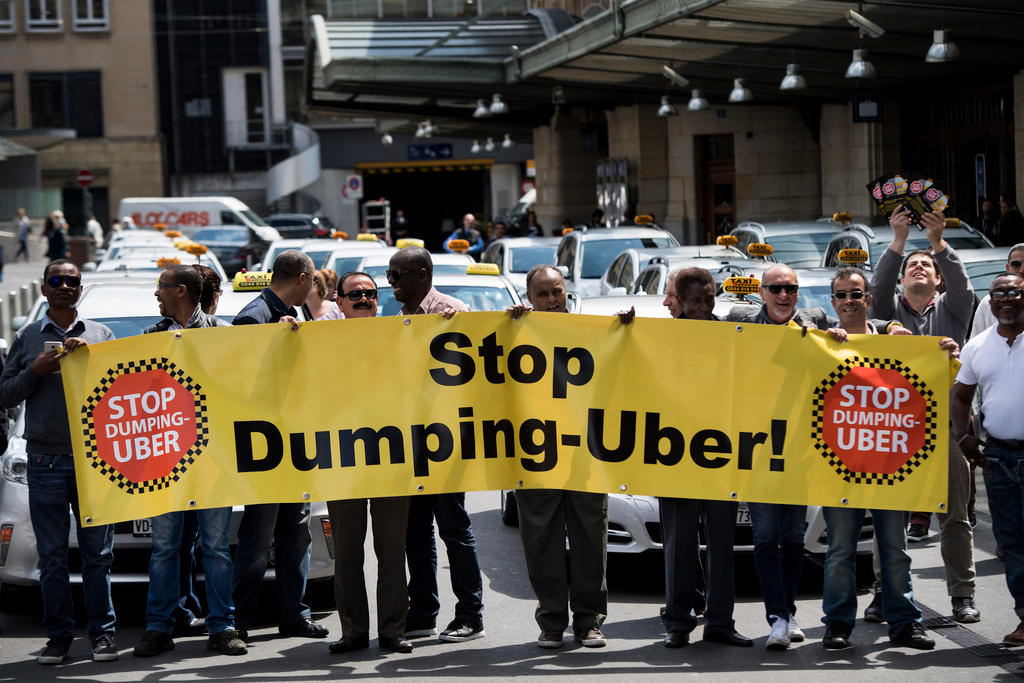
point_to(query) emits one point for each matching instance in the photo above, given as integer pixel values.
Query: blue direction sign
(429, 152)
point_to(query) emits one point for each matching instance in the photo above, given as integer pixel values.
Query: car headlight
(14, 465)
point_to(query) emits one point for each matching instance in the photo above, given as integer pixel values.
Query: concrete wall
(1018, 133)
(776, 162)
(638, 134)
(852, 154)
(566, 173)
(504, 187)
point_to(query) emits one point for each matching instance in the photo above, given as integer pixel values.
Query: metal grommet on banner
(88, 520)
(305, 496)
(420, 488)
(739, 328)
(521, 483)
(844, 501)
(942, 506)
(407, 321)
(191, 503)
(177, 334)
(622, 487)
(733, 495)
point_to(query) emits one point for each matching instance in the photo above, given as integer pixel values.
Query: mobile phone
(49, 346)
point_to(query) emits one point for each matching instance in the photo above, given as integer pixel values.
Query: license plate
(141, 528)
(742, 517)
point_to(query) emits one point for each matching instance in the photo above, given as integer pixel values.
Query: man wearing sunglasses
(32, 374)
(283, 526)
(411, 277)
(851, 298)
(357, 297)
(922, 309)
(178, 290)
(992, 361)
(983, 317)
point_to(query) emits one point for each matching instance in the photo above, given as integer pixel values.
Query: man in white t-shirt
(983, 317)
(994, 362)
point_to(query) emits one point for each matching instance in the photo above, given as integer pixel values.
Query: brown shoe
(1015, 638)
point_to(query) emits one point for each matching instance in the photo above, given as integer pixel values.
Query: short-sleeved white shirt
(998, 370)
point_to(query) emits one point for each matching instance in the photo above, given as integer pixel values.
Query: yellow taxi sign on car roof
(172, 233)
(252, 281)
(759, 249)
(643, 219)
(159, 227)
(366, 237)
(842, 217)
(181, 244)
(196, 249)
(483, 269)
(458, 245)
(952, 222)
(727, 240)
(853, 256)
(741, 285)
(339, 235)
(409, 242)
(167, 262)
(566, 231)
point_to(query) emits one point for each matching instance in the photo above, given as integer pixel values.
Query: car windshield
(810, 296)
(348, 264)
(915, 242)
(222, 235)
(599, 254)
(800, 251)
(128, 326)
(981, 274)
(521, 259)
(477, 298)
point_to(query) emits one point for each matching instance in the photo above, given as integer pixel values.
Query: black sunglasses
(775, 289)
(393, 274)
(1017, 264)
(854, 294)
(71, 281)
(1007, 294)
(358, 294)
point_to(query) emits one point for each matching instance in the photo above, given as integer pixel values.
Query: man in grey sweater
(32, 374)
(924, 310)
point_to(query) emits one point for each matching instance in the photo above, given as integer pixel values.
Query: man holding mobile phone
(32, 374)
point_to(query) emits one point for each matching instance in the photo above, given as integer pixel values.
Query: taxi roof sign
(853, 256)
(339, 235)
(727, 240)
(741, 285)
(952, 222)
(458, 245)
(842, 217)
(643, 219)
(483, 269)
(167, 262)
(366, 237)
(251, 281)
(409, 242)
(759, 249)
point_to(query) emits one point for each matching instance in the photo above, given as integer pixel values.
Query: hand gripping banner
(419, 405)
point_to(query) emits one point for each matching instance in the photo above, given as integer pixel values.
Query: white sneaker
(778, 639)
(793, 631)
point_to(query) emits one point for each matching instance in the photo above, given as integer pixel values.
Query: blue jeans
(839, 599)
(188, 602)
(164, 570)
(51, 491)
(456, 531)
(285, 527)
(1004, 482)
(778, 554)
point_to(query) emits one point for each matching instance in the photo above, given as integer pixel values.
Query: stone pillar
(1018, 134)
(637, 133)
(566, 174)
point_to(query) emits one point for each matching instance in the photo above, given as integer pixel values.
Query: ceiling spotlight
(507, 142)
(860, 67)
(497, 106)
(697, 103)
(864, 25)
(793, 80)
(481, 110)
(740, 91)
(489, 145)
(942, 50)
(670, 73)
(667, 108)
(475, 149)
(386, 139)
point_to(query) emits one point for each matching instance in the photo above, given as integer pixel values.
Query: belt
(1009, 444)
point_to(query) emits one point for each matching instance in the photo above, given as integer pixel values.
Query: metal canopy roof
(434, 69)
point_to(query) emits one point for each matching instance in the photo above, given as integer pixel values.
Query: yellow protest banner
(419, 405)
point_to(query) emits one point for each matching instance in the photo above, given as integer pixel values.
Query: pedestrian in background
(57, 245)
(24, 226)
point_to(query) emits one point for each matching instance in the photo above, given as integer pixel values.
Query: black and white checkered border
(817, 422)
(89, 427)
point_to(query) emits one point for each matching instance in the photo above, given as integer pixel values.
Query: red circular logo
(932, 194)
(916, 187)
(888, 188)
(877, 192)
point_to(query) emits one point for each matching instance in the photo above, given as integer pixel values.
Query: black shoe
(349, 644)
(912, 635)
(873, 612)
(676, 639)
(227, 643)
(965, 612)
(419, 629)
(917, 532)
(243, 632)
(837, 636)
(395, 644)
(306, 628)
(153, 643)
(728, 638)
(55, 652)
(461, 631)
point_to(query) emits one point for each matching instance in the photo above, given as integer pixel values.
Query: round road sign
(84, 177)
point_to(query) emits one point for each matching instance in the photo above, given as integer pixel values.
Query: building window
(246, 108)
(67, 100)
(42, 15)
(91, 15)
(6, 16)
(6, 102)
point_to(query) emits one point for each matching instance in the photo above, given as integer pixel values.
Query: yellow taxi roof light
(566, 231)
(727, 240)
(759, 249)
(458, 245)
(853, 256)
(483, 269)
(251, 281)
(366, 237)
(167, 262)
(339, 235)
(842, 217)
(741, 285)
(643, 219)
(409, 242)
(952, 222)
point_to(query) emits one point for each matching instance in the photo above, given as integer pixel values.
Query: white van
(189, 214)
